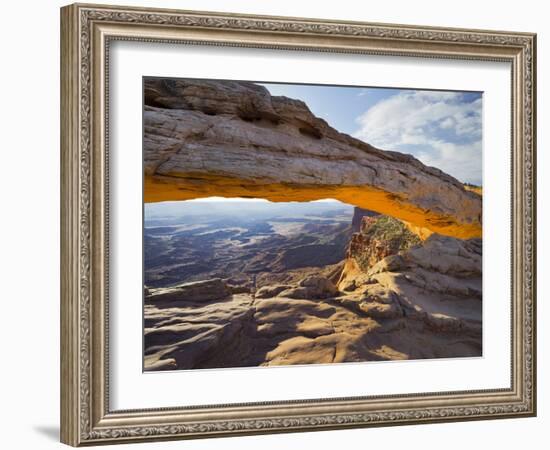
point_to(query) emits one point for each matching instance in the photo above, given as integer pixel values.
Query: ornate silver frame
(86, 32)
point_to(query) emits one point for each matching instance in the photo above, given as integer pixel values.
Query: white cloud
(447, 123)
(441, 129)
(463, 161)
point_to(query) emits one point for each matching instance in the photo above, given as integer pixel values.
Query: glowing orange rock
(233, 139)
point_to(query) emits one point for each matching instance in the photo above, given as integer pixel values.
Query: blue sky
(441, 128)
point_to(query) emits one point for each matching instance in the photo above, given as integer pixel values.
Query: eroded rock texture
(397, 298)
(435, 285)
(408, 287)
(210, 138)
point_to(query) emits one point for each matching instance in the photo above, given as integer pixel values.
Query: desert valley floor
(336, 284)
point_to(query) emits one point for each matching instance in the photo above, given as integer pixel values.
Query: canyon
(392, 270)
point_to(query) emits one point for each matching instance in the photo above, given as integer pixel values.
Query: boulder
(320, 285)
(446, 255)
(442, 322)
(388, 264)
(271, 291)
(198, 291)
(312, 287)
(381, 310)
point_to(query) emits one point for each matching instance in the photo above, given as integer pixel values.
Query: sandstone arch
(218, 138)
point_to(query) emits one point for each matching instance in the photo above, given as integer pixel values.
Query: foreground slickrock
(198, 291)
(397, 297)
(209, 138)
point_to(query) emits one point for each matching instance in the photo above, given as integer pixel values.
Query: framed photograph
(276, 224)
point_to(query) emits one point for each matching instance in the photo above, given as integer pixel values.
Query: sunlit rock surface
(409, 285)
(210, 138)
(407, 299)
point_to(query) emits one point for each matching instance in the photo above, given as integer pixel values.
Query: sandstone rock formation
(210, 138)
(437, 282)
(198, 291)
(415, 300)
(358, 214)
(409, 285)
(378, 237)
(312, 287)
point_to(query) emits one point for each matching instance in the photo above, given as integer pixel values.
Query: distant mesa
(208, 138)
(397, 297)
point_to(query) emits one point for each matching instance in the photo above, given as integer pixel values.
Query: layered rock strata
(410, 285)
(411, 300)
(209, 138)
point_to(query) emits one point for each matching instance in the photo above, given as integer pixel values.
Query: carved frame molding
(86, 32)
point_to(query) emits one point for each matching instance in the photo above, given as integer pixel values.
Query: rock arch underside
(415, 293)
(233, 139)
